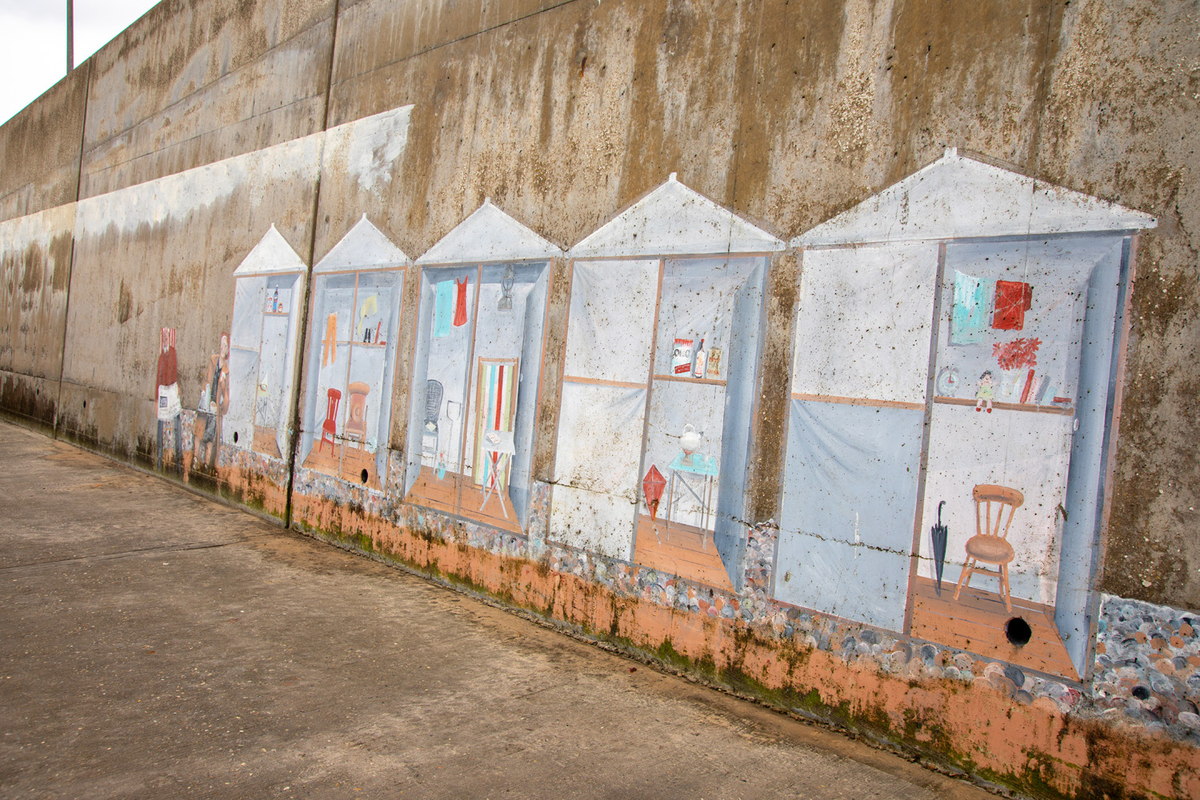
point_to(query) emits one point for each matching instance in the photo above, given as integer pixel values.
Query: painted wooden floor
(443, 495)
(681, 550)
(354, 461)
(265, 442)
(976, 623)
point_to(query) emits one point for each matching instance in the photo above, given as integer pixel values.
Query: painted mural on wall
(264, 338)
(947, 434)
(212, 408)
(480, 339)
(662, 350)
(950, 412)
(356, 318)
(168, 408)
(964, 319)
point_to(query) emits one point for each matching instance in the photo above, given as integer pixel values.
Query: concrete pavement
(156, 644)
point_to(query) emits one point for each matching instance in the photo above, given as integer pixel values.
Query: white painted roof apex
(272, 255)
(675, 220)
(960, 197)
(363, 247)
(489, 234)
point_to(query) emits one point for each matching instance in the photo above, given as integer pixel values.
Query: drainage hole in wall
(364, 476)
(235, 437)
(1018, 631)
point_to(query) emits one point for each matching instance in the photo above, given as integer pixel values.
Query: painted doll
(985, 393)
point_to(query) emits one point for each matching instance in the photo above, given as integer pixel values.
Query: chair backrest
(433, 401)
(991, 498)
(335, 397)
(356, 416)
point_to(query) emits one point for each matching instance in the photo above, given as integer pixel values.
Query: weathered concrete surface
(789, 113)
(1122, 123)
(155, 643)
(196, 81)
(138, 268)
(35, 267)
(565, 112)
(39, 149)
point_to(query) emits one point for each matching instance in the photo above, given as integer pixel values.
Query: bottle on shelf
(701, 361)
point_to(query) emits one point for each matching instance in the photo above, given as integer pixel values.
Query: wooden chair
(356, 412)
(433, 414)
(990, 542)
(329, 427)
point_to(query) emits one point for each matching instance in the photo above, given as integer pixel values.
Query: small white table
(703, 467)
(499, 448)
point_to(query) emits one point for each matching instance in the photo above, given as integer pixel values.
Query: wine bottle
(701, 361)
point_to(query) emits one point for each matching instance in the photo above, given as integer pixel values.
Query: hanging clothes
(443, 308)
(460, 311)
(330, 352)
(972, 307)
(1013, 299)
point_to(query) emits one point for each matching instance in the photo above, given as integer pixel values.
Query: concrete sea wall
(839, 353)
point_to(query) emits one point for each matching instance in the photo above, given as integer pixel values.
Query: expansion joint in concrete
(135, 553)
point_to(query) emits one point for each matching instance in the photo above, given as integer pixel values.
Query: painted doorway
(475, 378)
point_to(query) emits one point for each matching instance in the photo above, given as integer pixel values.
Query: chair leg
(1004, 588)
(964, 578)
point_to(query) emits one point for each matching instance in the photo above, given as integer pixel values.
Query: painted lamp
(690, 442)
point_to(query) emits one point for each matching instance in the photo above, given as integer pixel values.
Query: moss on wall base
(965, 729)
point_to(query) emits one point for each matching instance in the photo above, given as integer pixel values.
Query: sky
(33, 42)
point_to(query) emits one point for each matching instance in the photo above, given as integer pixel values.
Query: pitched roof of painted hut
(958, 197)
(489, 235)
(363, 247)
(675, 220)
(271, 256)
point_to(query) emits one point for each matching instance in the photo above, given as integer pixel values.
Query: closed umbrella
(939, 533)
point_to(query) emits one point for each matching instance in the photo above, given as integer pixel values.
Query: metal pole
(70, 36)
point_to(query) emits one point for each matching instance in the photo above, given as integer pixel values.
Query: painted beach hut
(663, 340)
(356, 316)
(263, 346)
(481, 331)
(957, 344)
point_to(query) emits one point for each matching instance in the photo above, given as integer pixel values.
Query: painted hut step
(976, 623)
(443, 495)
(265, 442)
(347, 464)
(683, 553)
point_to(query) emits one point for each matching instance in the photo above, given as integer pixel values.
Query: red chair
(329, 427)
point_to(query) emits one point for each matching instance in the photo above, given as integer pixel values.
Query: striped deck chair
(495, 409)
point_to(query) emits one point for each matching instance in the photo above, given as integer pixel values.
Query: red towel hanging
(1013, 299)
(460, 309)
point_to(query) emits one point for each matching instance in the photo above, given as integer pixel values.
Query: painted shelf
(689, 379)
(1065, 411)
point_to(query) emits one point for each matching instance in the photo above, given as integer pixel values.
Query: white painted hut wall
(609, 336)
(864, 320)
(863, 329)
